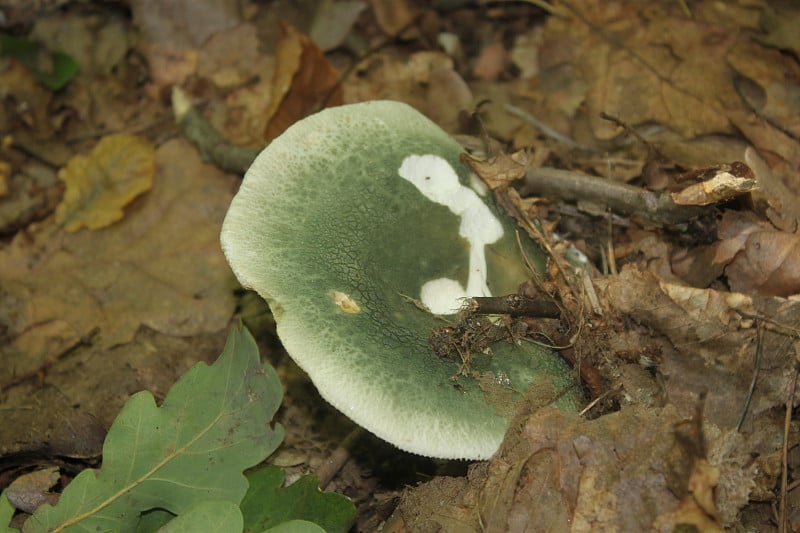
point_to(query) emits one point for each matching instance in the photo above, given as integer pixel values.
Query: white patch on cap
(436, 179)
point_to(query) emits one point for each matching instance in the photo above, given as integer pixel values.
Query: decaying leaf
(392, 15)
(499, 171)
(624, 471)
(171, 33)
(333, 21)
(31, 490)
(144, 270)
(780, 23)
(711, 345)
(100, 185)
(304, 82)
(755, 257)
(769, 264)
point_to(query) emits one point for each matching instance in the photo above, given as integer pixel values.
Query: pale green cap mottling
(340, 245)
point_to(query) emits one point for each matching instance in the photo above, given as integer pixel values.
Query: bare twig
(212, 144)
(654, 208)
(544, 128)
(513, 305)
(782, 510)
(328, 470)
(599, 399)
(757, 364)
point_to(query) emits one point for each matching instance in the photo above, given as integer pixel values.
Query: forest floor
(682, 327)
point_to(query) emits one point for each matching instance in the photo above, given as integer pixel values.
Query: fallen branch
(657, 209)
(214, 147)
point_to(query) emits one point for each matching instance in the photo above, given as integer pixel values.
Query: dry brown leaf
(173, 31)
(765, 80)
(768, 264)
(31, 490)
(701, 265)
(97, 43)
(558, 472)
(100, 185)
(5, 176)
(233, 60)
(160, 267)
(333, 22)
(652, 75)
(780, 23)
(711, 344)
(392, 15)
(29, 101)
(304, 82)
(774, 198)
(231, 57)
(427, 81)
(499, 171)
(491, 62)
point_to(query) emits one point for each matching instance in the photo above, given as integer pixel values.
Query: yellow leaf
(100, 185)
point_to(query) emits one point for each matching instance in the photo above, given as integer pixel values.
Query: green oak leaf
(213, 424)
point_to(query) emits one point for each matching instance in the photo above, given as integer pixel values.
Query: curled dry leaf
(304, 82)
(100, 185)
(728, 182)
(499, 171)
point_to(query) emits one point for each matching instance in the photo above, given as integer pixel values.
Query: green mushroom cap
(351, 224)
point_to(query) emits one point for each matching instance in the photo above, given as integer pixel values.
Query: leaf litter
(688, 348)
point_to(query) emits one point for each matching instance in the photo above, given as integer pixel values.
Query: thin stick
(656, 209)
(338, 458)
(544, 128)
(211, 143)
(782, 510)
(513, 305)
(759, 347)
(612, 260)
(597, 400)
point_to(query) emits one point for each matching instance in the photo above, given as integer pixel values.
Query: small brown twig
(782, 509)
(757, 365)
(513, 305)
(654, 208)
(328, 470)
(212, 144)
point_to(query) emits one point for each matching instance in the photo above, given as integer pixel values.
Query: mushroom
(364, 232)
